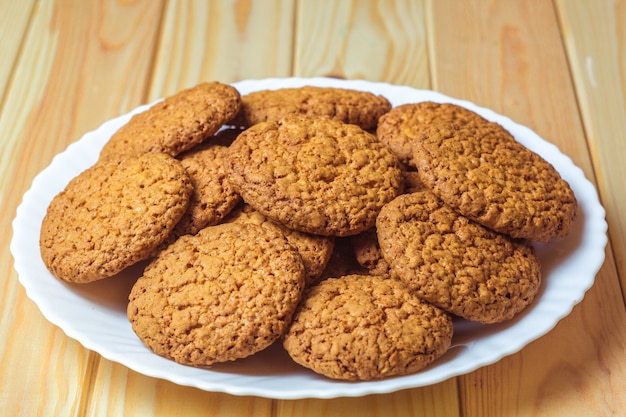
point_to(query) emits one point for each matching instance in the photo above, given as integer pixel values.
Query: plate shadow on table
(111, 292)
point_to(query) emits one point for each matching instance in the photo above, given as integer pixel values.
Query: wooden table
(558, 67)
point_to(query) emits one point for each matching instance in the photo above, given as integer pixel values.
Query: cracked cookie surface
(455, 263)
(314, 250)
(400, 127)
(315, 175)
(481, 171)
(112, 215)
(225, 293)
(176, 123)
(363, 327)
(349, 106)
(213, 197)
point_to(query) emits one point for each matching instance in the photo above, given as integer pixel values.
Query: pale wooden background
(558, 67)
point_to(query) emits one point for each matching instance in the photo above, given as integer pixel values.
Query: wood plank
(496, 56)
(373, 40)
(122, 392)
(223, 41)
(13, 24)
(595, 39)
(59, 89)
(439, 400)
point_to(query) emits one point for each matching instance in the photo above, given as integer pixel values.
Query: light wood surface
(558, 67)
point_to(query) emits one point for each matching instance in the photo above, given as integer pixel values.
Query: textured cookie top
(400, 127)
(350, 106)
(213, 197)
(315, 250)
(315, 175)
(177, 123)
(222, 294)
(454, 263)
(113, 215)
(480, 170)
(362, 327)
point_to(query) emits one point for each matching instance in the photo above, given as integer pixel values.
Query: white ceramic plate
(95, 314)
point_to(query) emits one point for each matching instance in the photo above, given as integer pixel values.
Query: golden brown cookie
(113, 215)
(400, 127)
(177, 123)
(361, 327)
(223, 294)
(315, 175)
(315, 250)
(213, 197)
(481, 171)
(454, 263)
(350, 106)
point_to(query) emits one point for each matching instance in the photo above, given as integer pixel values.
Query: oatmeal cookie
(361, 327)
(400, 127)
(350, 106)
(315, 250)
(455, 263)
(222, 294)
(177, 123)
(481, 171)
(113, 215)
(315, 175)
(213, 197)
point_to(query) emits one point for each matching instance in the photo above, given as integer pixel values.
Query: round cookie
(213, 197)
(113, 215)
(350, 106)
(314, 250)
(454, 263)
(400, 127)
(177, 123)
(481, 171)
(315, 175)
(363, 327)
(223, 294)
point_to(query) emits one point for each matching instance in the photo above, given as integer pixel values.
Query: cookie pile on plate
(320, 218)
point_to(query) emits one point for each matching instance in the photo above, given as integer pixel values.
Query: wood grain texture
(223, 40)
(376, 40)
(60, 88)
(24, 391)
(496, 57)
(118, 391)
(14, 21)
(438, 400)
(595, 38)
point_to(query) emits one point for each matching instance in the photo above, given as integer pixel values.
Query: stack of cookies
(320, 218)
